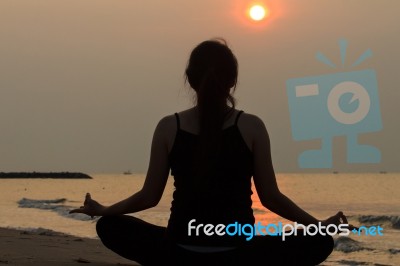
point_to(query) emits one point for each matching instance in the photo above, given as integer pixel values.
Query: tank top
(225, 195)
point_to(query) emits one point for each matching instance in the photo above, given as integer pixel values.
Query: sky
(84, 83)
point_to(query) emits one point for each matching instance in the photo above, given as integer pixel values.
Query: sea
(367, 199)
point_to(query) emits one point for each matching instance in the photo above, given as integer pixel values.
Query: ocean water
(368, 199)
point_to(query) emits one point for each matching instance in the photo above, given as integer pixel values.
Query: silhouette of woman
(212, 150)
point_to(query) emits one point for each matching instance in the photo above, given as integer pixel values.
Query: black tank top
(225, 199)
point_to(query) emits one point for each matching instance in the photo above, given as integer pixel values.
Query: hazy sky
(84, 83)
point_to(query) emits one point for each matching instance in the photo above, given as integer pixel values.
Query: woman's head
(212, 72)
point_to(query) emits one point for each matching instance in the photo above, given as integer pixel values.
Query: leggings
(145, 243)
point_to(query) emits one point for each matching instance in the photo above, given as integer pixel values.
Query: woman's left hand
(337, 219)
(90, 207)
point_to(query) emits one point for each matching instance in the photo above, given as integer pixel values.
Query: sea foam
(391, 220)
(55, 205)
(347, 245)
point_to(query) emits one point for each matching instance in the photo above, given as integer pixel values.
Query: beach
(37, 229)
(44, 247)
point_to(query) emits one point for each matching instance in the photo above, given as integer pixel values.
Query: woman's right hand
(90, 207)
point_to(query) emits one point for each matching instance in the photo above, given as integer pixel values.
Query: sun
(257, 12)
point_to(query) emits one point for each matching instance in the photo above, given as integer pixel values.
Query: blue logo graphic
(339, 104)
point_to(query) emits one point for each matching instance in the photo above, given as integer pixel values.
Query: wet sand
(44, 247)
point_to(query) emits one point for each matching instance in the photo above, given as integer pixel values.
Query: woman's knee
(323, 247)
(104, 225)
(327, 243)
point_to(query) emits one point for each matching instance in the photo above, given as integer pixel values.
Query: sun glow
(257, 15)
(258, 12)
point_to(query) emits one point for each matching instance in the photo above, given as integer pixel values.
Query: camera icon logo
(338, 104)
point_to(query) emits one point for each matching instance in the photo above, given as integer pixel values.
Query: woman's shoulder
(252, 128)
(251, 121)
(171, 120)
(244, 120)
(167, 123)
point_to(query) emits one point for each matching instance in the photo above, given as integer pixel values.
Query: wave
(55, 205)
(347, 245)
(39, 204)
(40, 231)
(352, 262)
(391, 220)
(355, 263)
(394, 251)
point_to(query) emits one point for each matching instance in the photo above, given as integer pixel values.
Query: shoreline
(46, 247)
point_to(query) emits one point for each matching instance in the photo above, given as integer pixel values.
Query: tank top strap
(178, 122)
(237, 117)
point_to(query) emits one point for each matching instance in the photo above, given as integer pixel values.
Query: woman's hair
(212, 72)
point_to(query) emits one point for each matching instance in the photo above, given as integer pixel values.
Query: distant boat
(127, 172)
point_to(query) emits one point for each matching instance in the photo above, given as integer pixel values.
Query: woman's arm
(154, 185)
(265, 181)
